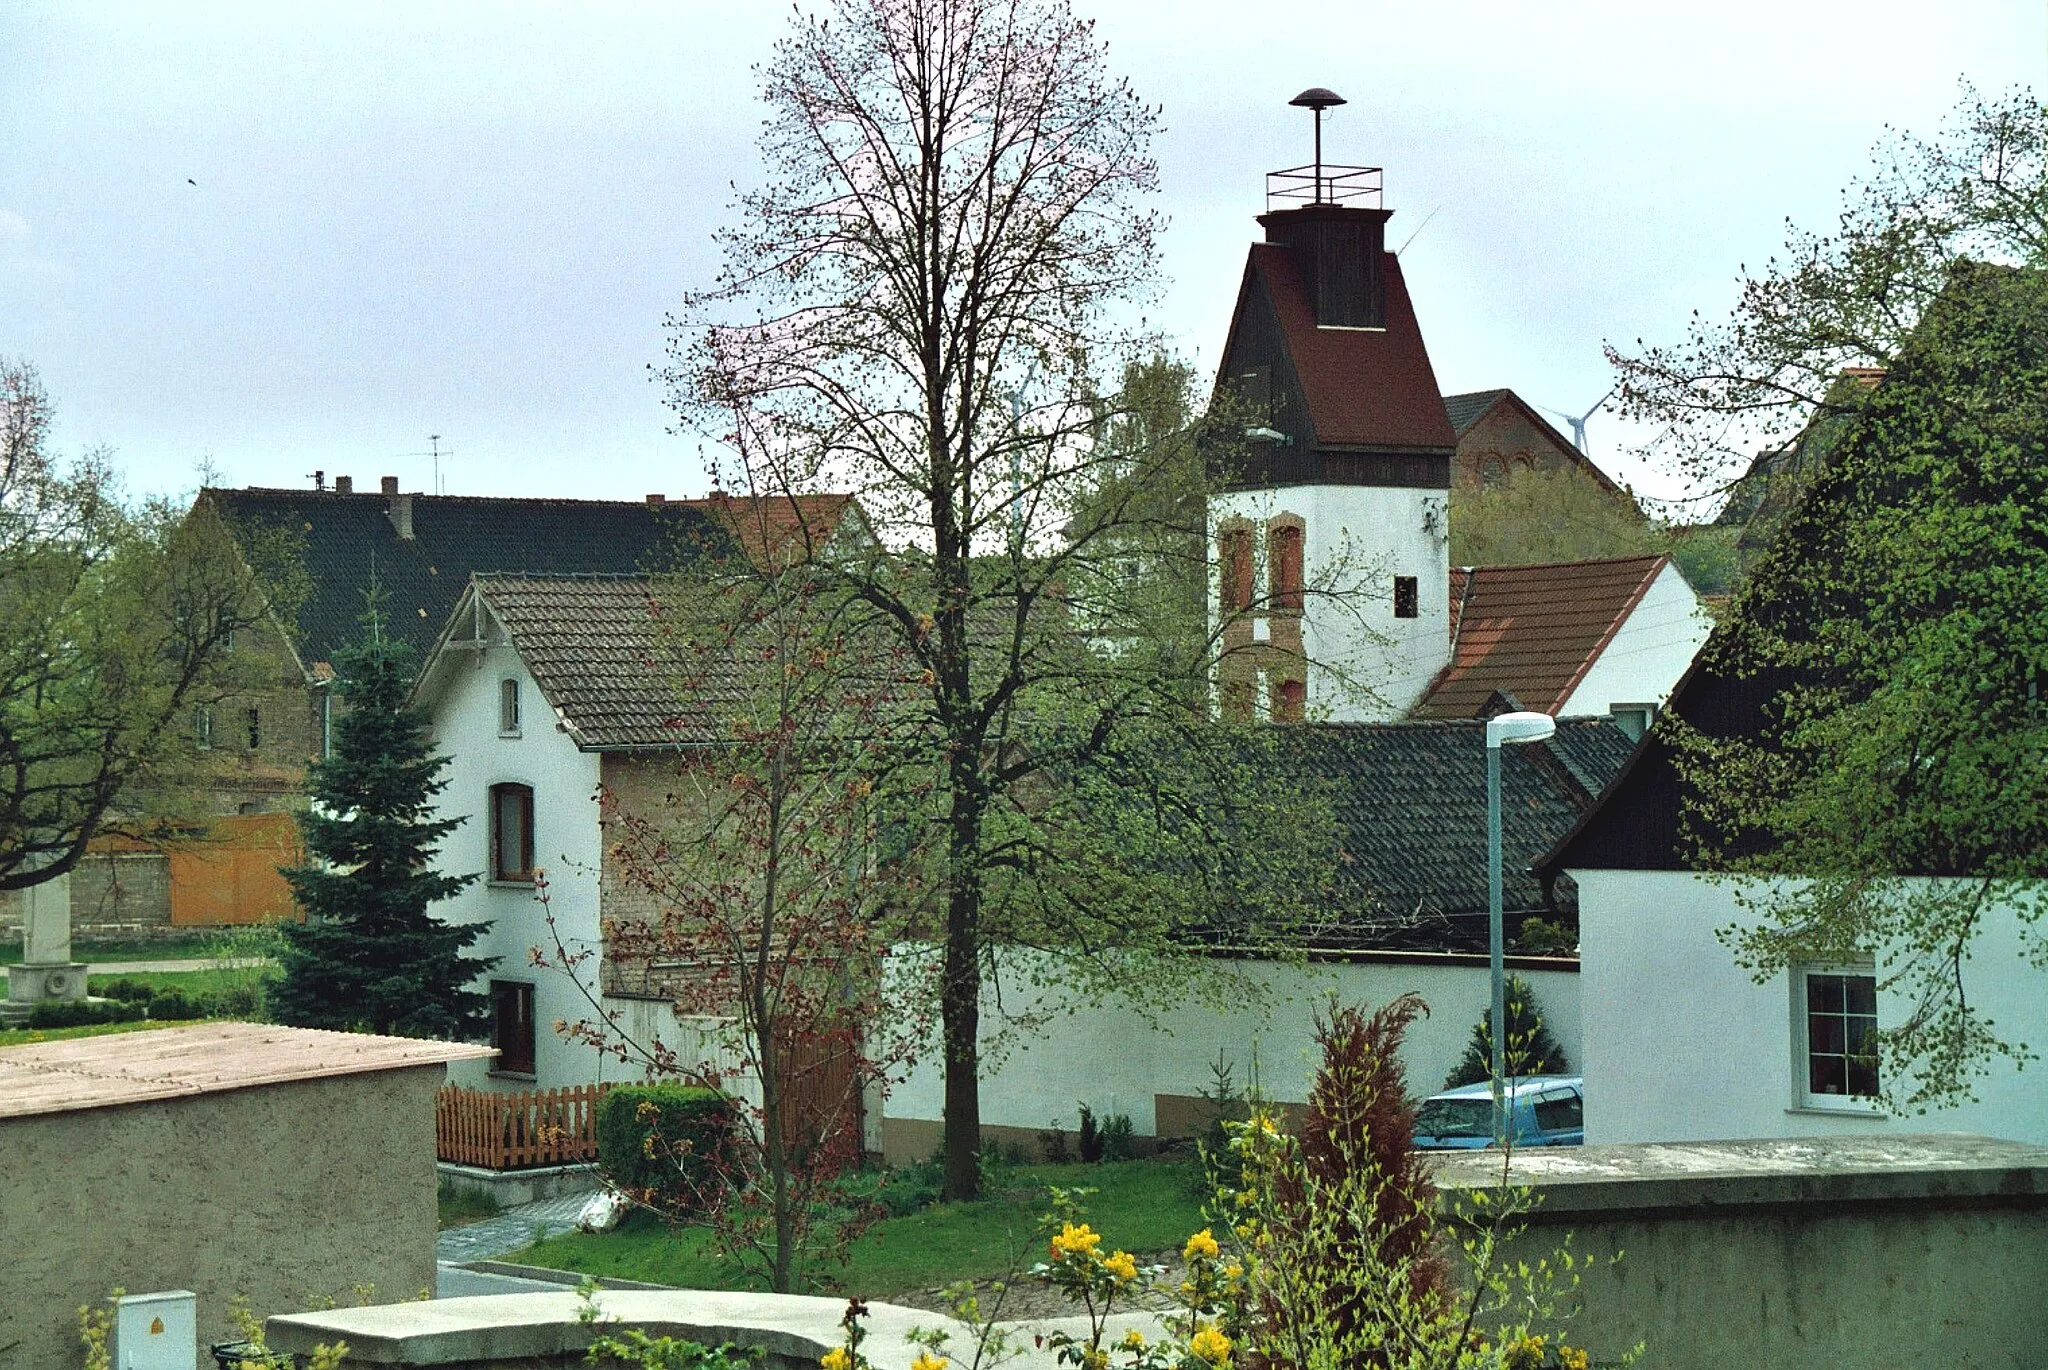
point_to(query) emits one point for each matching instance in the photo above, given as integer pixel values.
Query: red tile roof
(778, 531)
(1365, 387)
(1532, 631)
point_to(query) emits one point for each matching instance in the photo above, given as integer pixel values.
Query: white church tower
(1330, 521)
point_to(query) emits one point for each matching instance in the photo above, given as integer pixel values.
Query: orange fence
(509, 1131)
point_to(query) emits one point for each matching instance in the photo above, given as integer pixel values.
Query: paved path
(510, 1230)
(151, 967)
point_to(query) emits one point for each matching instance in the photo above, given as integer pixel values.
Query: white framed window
(508, 707)
(1633, 719)
(202, 728)
(1834, 1035)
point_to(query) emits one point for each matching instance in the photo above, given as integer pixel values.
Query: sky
(260, 240)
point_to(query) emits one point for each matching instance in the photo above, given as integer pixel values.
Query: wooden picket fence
(511, 1131)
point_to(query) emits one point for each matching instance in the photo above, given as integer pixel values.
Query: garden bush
(83, 1013)
(126, 990)
(667, 1145)
(171, 1005)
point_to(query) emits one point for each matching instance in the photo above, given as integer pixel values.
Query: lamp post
(1503, 729)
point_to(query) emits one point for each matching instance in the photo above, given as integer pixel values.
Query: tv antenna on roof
(436, 451)
(1578, 423)
(1318, 99)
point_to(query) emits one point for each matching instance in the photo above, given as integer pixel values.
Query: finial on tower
(1318, 98)
(1316, 184)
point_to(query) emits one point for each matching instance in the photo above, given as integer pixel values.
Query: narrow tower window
(508, 706)
(1288, 698)
(1284, 560)
(1236, 556)
(1405, 605)
(512, 833)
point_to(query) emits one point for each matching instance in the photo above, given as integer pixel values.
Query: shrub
(1091, 1137)
(82, 1013)
(169, 1005)
(1116, 1137)
(126, 990)
(244, 1001)
(667, 1145)
(1052, 1145)
(1531, 1050)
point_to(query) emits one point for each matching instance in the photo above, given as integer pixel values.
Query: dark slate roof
(1410, 804)
(1533, 631)
(1467, 409)
(344, 538)
(1365, 387)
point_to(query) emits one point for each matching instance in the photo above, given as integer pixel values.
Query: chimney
(319, 480)
(344, 485)
(390, 485)
(400, 512)
(656, 501)
(1329, 219)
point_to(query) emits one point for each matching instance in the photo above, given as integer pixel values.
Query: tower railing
(1325, 183)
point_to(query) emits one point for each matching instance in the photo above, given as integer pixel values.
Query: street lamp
(1503, 729)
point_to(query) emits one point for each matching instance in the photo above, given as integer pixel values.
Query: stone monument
(47, 973)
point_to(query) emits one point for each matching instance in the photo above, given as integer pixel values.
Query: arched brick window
(1234, 552)
(1284, 567)
(1289, 697)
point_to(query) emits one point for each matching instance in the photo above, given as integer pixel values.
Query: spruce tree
(370, 956)
(1531, 1050)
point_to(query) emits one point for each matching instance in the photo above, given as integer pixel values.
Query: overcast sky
(276, 238)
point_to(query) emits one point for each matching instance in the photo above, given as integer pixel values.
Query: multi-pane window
(202, 728)
(1405, 602)
(255, 727)
(508, 706)
(512, 833)
(1841, 1034)
(1235, 554)
(512, 1026)
(1283, 561)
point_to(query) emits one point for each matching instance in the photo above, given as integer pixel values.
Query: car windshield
(1455, 1118)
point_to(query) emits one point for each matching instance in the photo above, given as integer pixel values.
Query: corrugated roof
(1533, 631)
(1365, 387)
(1467, 409)
(207, 1058)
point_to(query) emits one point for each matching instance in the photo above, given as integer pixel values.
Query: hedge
(665, 1144)
(82, 1013)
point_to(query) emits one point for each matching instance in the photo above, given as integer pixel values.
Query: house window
(1255, 387)
(508, 708)
(1284, 568)
(1838, 1021)
(1405, 605)
(1288, 699)
(1633, 719)
(512, 833)
(255, 728)
(1235, 548)
(202, 728)
(512, 1027)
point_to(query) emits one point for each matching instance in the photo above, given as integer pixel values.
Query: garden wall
(1254, 1015)
(115, 897)
(1927, 1250)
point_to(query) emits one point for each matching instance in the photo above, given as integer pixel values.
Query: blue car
(1544, 1110)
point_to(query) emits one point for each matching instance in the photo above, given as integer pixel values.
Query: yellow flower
(1122, 1265)
(927, 1361)
(1233, 1271)
(1134, 1340)
(1571, 1357)
(1071, 1241)
(1095, 1359)
(836, 1359)
(1202, 1244)
(1210, 1344)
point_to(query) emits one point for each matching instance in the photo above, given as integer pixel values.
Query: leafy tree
(370, 955)
(918, 307)
(1533, 515)
(1531, 1050)
(116, 618)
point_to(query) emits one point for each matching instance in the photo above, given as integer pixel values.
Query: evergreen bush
(1531, 1050)
(83, 1013)
(170, 1005)
(667, 1145)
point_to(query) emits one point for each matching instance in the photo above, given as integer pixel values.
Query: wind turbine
(1578, 423)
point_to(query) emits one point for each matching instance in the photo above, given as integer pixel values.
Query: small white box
(156, 1331)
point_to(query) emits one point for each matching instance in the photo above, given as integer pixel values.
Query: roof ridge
(1559, 565)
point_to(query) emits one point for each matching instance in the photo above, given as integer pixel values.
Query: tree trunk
(960, 1006)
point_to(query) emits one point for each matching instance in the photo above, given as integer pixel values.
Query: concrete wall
(1652, 650)
(1681, 1044)
(463, 699)
(1366, 665)
(1106, 1055)
(291, 1194)
(124, 896)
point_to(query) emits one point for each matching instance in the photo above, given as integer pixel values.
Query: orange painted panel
(233, 877)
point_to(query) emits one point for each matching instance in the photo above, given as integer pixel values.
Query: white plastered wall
(1104, 1052)
(1365, 664)
(1651, 650)
(1681, 1044)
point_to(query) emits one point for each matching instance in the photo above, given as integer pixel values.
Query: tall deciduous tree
(371, 955)
(116, 619)
(920, 306)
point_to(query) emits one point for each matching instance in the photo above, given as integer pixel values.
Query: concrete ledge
(549, 1275)
(1672, 1178)
(514, 1187)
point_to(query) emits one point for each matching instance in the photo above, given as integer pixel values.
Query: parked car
(1543, 1110)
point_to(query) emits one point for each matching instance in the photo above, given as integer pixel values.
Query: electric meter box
(156, 1331)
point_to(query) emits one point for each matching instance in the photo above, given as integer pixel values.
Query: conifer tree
(370, 956)
(1531, 1050)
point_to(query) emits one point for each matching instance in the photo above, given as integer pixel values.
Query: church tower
(1329, 511)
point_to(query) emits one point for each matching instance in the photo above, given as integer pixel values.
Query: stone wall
(115, 897)
(294, 1195)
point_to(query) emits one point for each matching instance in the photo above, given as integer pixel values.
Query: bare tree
(921, 306)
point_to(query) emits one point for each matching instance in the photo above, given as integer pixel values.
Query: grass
(461, 1207)
(21, 1037)
(194, 983)
(1142, 1206)
(196, 947)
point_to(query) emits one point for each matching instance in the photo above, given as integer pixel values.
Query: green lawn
(20, 1037)
(176, 949)
(1143, 1206)
(190, 982)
